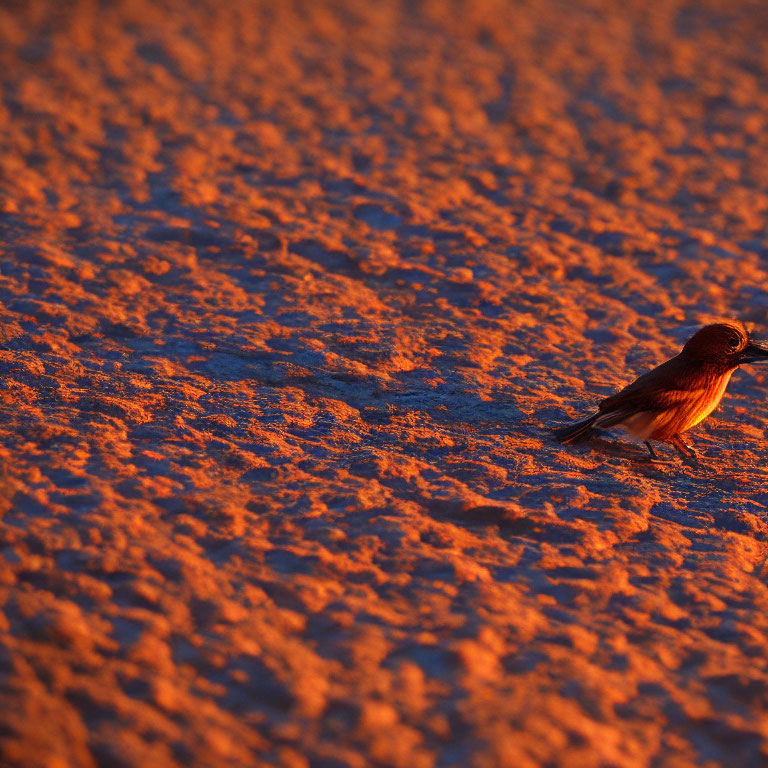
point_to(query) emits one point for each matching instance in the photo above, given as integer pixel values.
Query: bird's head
(724, 344)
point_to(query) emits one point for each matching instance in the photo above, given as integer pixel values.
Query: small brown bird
(670, 399)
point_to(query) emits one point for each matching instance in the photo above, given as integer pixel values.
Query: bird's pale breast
(682, 410)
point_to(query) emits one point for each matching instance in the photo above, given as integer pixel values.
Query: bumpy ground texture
(291, 296)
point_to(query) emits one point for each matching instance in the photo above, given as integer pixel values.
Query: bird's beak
(754, 353)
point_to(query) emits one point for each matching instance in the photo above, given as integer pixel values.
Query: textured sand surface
(291, 296)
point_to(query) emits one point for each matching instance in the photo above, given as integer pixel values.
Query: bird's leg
(654, 455)
(683, 448)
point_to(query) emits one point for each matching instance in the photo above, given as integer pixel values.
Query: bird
(666, 402)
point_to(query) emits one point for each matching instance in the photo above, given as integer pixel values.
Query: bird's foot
(652, 455)
(653, 461)
(688, 455)
(652, 458)
(692, 460)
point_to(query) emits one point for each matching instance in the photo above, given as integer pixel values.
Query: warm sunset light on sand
(292, 297)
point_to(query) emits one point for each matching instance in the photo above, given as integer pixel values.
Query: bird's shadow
(636, 455)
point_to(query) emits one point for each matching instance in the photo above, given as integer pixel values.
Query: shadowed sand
(291, 297)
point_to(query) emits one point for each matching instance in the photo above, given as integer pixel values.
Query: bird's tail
(574, 433)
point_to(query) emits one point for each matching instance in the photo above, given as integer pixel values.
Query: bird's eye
(734, 343)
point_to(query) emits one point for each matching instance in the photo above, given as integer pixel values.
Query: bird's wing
(658, 390)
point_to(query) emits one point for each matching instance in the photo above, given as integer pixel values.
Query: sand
(291, 298)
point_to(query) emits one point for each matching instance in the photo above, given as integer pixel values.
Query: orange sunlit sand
(291, 298)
